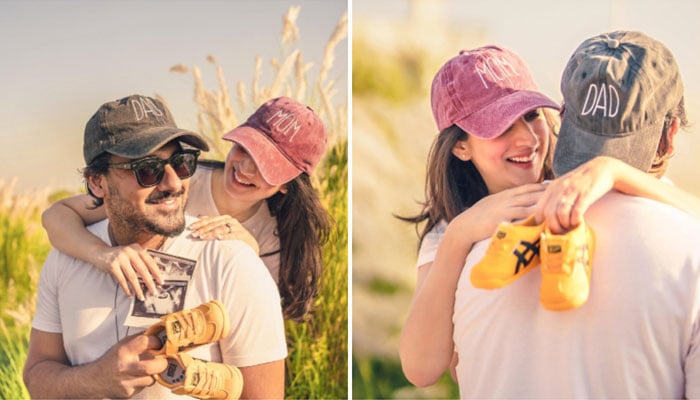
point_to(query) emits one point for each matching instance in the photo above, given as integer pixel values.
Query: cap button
(613, 43)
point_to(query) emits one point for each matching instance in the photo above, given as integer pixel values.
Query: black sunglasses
(149, 171)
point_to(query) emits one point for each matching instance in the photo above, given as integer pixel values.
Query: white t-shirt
(261, 225)
(429, 245)
(88, 307)
(637, 336)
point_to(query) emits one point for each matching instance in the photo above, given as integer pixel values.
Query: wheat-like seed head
(242, 102)
(215, 114)
(179, 68)
(227, 112)
(299, 75)
(290, 30)
(282, 74)
(340, 32)
(256, 80)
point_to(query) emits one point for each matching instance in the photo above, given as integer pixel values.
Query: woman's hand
(568, 197)
(482, 219)
(223, 227)
(127, 264)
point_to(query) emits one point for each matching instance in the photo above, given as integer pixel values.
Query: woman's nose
(525, 133)
(247, 166)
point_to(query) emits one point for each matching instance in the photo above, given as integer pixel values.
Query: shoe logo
(176, 327)
(195, 379)
(582, 255)
(527, 255)
(500, 234)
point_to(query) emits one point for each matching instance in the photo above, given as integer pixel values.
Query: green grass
(317, 364)
(13, 352)
(23, 248)
(396, 78)
(382, 378)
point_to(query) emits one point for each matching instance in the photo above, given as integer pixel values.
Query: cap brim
(492, 120)
(576, 146)
(275, 168)
(150, 140)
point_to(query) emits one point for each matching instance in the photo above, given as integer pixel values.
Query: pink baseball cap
(484, 91)
(284, 138)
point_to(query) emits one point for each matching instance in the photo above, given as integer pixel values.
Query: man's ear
(671, 137)
(666, 142)
(97, 185)
(462, 151)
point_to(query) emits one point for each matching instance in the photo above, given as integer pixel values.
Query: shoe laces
(207, 380)
(189, 325)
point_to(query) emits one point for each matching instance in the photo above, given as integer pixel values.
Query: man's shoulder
(643, 207)
(99, 229)
(234, 248)
(637, 214)
(226, 253)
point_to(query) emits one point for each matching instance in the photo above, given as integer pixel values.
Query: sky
(61, 59)
(546, 32)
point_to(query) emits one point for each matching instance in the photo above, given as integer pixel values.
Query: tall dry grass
(217, 113)
(317, 365)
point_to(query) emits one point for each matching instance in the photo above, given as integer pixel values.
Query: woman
(263, 189)
(497, 134)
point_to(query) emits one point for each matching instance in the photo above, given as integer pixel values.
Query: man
(638, 334)
(139, 168)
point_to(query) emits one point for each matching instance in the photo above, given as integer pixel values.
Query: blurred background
(398, 45)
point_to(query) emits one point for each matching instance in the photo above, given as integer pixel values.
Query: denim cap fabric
(134, 127)
(617, 89)
(484, 91)
(284, 138)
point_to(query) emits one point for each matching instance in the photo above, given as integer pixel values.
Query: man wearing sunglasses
(138, 167)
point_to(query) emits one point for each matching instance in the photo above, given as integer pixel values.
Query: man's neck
(146, 240)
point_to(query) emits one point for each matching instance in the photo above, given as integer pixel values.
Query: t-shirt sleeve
(47, 317)
(248, 291)
(429, 246)
(692, 360)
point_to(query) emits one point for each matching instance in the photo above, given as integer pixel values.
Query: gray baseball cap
(617, 89)
(134, 127)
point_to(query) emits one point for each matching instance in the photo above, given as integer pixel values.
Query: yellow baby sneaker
(566, 268)
(186, 329)
(201, 379)
(513, 251)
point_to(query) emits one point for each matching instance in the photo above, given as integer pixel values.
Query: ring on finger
(230, 228)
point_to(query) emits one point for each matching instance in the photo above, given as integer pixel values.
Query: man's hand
(127, 368)
(124, 370)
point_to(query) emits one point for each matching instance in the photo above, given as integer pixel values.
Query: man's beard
(171, 231)
(175, 221)
(167, 224)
